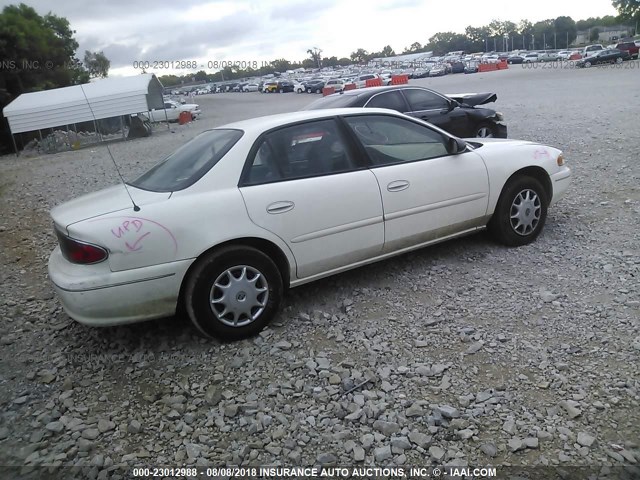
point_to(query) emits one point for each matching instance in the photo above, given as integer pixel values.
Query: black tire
(209, 270)
(502, 225)
(485, 130)
(587, 64)
(619, 60)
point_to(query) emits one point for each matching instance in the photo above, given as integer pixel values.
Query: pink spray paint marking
(142, 228)
(541, 153)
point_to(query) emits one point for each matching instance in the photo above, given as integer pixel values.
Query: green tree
(594, 34)
(37, 53)
(477, 37)
(359, 56)
(316, 56)
(97, 64)
(629, 10)
(387, 51)
(415, 47)
(281, 65)
(41, 51)
(566, 31)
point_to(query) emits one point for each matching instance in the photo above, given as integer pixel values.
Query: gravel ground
(466, 353)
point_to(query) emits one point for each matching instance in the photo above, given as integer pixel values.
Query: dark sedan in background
(610, 55)
(457, 114)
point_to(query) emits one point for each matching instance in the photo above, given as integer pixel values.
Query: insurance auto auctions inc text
(373, 472)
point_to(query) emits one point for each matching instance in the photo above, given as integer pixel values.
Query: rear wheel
(587, 64)
(233, 293)
(619, 60)
(520, 213)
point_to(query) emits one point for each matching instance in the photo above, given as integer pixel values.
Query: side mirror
(457, 146)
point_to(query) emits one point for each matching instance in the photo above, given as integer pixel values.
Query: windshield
(188, 163)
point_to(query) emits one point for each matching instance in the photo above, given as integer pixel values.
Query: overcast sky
(250, 30)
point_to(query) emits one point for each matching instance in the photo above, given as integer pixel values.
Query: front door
(426, 192)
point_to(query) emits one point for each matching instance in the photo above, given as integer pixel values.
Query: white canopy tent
(111, 97)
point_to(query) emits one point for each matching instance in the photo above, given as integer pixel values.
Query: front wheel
(233, 293)
(587, 64)
(619, 60)
(520, 213)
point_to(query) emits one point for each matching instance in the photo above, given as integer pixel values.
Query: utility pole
(567, 40)
(555, 42)
(544, 40)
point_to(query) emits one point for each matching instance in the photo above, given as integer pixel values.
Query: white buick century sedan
(225, 224)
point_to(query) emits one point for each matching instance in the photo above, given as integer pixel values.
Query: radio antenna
(136, 208)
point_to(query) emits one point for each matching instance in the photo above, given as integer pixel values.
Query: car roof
(260, 124)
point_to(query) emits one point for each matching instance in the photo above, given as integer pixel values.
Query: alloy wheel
(525, 214)
(239, 295)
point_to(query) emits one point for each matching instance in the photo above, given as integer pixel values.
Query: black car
(515, 59)
(610, 55)
(314, 86)
(457, 114)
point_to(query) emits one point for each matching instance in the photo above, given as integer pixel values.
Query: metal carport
(111, 97)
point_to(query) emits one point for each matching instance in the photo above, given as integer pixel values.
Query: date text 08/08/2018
(194, 64)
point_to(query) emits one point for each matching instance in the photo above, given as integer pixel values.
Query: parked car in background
(299, 87)
(285, 86)
(630, 47)
(591, 49)
(531, 58)
(338, 84)
(361, 80)
(611, 55)
(250, 87)
(234, 218)
(314, 85)
(515, 59)
(438, 70)
(457, 114)
(457, 67)
(270, 87)
(564, 54)
(548, 56)
(471, 66)
(172, 111)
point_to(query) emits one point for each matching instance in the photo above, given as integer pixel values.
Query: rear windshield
(339, 101)
(189, 163)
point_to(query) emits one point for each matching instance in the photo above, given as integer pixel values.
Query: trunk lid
(473, 99)
(102, 202)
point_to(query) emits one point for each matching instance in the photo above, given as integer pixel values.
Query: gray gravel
(466, 353)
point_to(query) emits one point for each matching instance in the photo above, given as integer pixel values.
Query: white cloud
(254, 30)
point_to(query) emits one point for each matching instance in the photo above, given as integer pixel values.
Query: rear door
(436, 109)
(303, 183)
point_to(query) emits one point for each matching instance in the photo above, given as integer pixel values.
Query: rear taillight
(80, 252)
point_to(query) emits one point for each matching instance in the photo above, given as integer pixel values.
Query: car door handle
(398, 185)
(280, 207)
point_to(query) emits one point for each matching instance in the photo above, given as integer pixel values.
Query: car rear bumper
(560, 182)
(500, 130)
(93, 295)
